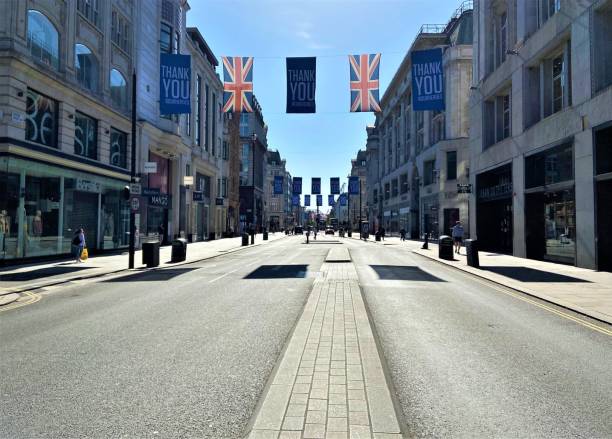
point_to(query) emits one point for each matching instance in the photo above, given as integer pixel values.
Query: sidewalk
(21, 278)
(585, 291)
(330, 381)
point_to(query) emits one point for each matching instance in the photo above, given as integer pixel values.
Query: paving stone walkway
(330, 382)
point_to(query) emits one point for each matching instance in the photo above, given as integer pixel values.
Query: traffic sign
(135, 204)
(135, 189)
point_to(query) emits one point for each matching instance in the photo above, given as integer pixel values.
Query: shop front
(159, 202)
(494, 210)
(603, 177)
(550, 205)
(42, 206)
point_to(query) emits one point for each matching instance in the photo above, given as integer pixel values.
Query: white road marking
(222, 276)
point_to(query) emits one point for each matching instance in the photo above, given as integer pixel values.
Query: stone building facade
(277, 206)
(540, 136)
(358, 210)
(416, 159)
(64, 125)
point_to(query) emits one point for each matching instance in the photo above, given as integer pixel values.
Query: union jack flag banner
(238, 84)
(364, 82)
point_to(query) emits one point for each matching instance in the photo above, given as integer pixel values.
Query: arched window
(86, 66)
(118, 88)
(43, 39)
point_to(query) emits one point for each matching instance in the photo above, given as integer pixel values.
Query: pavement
(21, 278)
(585, 291)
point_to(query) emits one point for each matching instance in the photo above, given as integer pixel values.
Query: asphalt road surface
(468, 360)
(178, 352)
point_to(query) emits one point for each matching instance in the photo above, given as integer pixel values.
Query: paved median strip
(330, 381)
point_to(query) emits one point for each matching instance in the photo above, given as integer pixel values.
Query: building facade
(253, 146)
(416, 159)
(358, 209)
(64, 125)
(541, 111)
(277, 206)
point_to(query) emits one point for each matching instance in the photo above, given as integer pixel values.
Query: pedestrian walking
(402, 235)
(457, 234)
(382, 233)
(161, 231)
(78, 244)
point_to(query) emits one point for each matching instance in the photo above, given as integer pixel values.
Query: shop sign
(150, 167)
(135, 189)
(219, 201)
(161, 200)
(148, 191)
(188, 180)
(197, 196)
(87, 185)
(500, 190)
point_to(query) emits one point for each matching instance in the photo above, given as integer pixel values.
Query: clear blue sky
(320, 144)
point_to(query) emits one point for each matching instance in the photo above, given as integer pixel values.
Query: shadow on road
(526, 274)
(152, 276)
(278, 272)
(402, 272)
(40, 273)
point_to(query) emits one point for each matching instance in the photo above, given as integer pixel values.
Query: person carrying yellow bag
(78, 243)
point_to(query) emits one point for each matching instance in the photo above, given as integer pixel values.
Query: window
(244, 124)
(41, 119)
(363, 163)
(188, 124)
(225, 150)
(86, 66)
(451, 165)
(547, 8)
(387, 191)
(420, 132)
(505, 116)
(118, 148)
(43, 39)
(552, 166)
(187, 169)
(198, 111)
(404, 183)
(497, 121)
(90, 10)
(437, 127)
(214, 122)
(428, 172)
(118, 89)
(558, 72)
(394, 188)
(503, 38)
(177, 43)
(245, 164)
(85, 136)
(120, 31)
(407, 132)
(206, 117)
(376, 195)
(165, 38)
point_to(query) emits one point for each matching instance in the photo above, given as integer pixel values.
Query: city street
(189, 350)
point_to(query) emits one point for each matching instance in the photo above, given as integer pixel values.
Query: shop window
(41, 119)
(42, 202)
(90, 10)
(85, 136)
(451, 165)
(603, 148)
(86, 66)
(118, 148)
(118, 89)
(9, 206)
(552, 166)
(43, 39)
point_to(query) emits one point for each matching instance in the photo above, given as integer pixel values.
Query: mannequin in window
(5, 228)
(109, 225)
(37, 224)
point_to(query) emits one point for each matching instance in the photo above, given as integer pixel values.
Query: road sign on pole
(135, 189)
(135, 204)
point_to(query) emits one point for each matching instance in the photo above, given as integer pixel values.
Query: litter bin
(179, 250)
(245, 239)
(265, 235)
(377, 235)
(445, 247)
(350, 233)
(471, 248)
(150, 254)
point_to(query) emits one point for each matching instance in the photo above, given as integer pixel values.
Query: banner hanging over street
(316, 186)
(342, 199)
(301, 85)
(353, 186)
(297, 185)
(427, 80)
(319, 200)
(295, 200)
(237, 84)
(334, 185)
(306, 200)
(174, 84)
(330, 200)
(278, 184)
(364, 82)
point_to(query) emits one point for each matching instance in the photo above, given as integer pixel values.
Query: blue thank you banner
(295, 200)
(334, 185)
(301, 85)
(316, 186)
(175, 84)
(306, 200)
(297, 185)
(278, 184)
(319, 200)
(330, 200)
(427, 80)
(353, 187)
